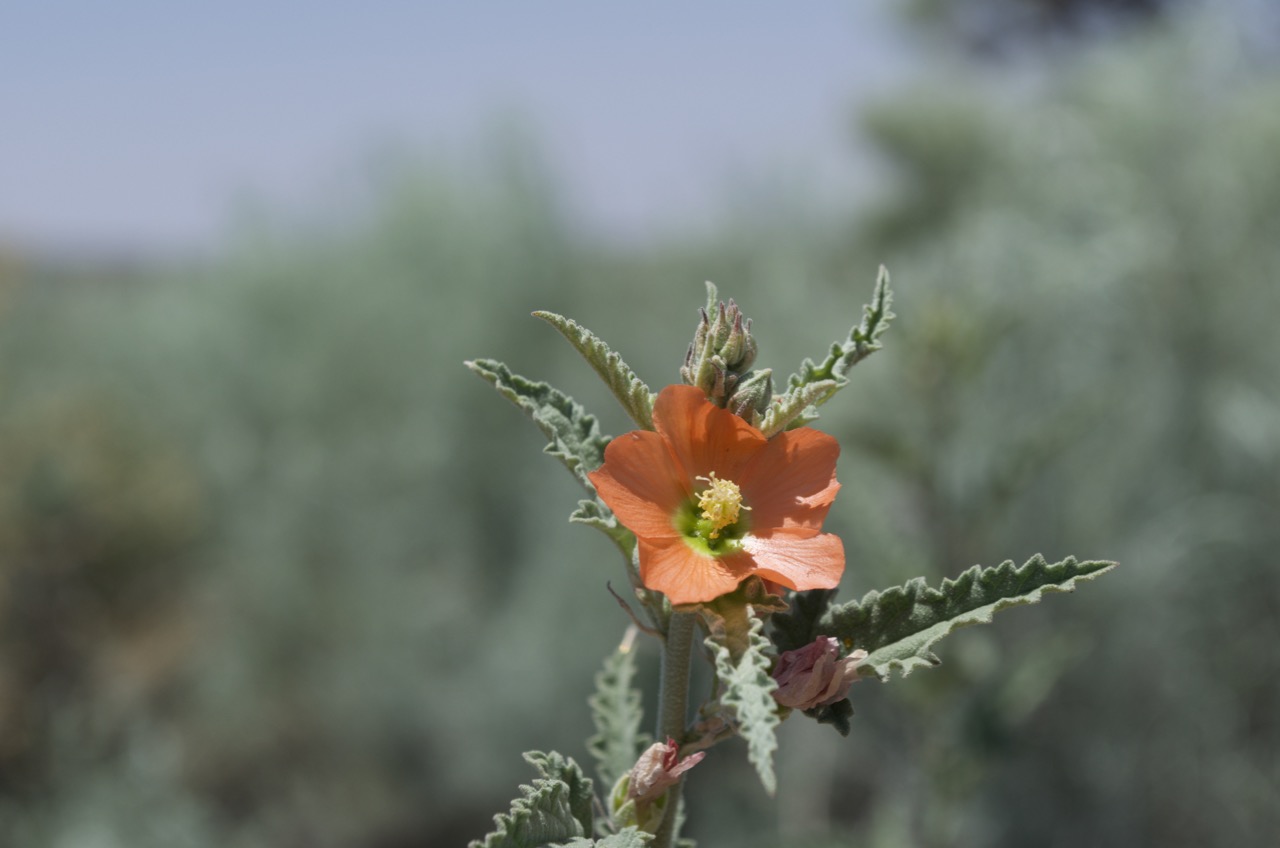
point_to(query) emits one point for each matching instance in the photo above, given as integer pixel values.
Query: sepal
(625, 810)
(798, 626)
(838, 715)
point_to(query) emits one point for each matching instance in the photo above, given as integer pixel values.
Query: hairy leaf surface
(629, 837)
(799, 404)
(898, 627)
(554, 766)
(748, 696)
(595, 514)
(575, 435)
(617, 713)
(796, 404)
(555, 808)
(629, 389)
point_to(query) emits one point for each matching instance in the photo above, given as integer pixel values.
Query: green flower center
(714, 523)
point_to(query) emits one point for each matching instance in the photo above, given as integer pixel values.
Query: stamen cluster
(721, 503)
(683, 490)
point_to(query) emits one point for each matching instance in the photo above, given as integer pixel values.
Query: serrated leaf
(628, 837)
(575, 435)
(748, 695)
(863, 341)
(629, 389)
(617, 713)
(795, 404)
(549, 810)
(556, 766)
(898, 627)
(597, 515)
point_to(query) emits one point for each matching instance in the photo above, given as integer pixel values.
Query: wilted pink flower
(815, 675)
(659, 768)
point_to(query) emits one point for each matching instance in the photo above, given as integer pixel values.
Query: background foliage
(276, 570)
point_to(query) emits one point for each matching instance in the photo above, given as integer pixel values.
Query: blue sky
(136, 124)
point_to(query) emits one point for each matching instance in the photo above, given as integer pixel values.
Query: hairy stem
(673, 699)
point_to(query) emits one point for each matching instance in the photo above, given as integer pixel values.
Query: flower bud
(751, 398)
(658, 769)
(722, 350)
(815, 675)
(639, 798)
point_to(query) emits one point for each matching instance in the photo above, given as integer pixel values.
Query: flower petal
(642, 483)
(703, 436)
(813, 562)
(685, 576)
(791, 483)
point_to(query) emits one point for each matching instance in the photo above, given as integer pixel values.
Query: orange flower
(712, 501)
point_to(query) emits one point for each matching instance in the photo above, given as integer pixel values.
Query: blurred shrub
(270, 482)
(1084, 363)
(277, 571)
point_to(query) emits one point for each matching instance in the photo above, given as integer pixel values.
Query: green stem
(673, 699)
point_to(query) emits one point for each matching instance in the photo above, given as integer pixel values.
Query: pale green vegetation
(276, 570)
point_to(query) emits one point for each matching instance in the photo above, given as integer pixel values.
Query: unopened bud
(639, 798)
(815, 675)
(751, 398)
(723, 350)
(658, 769)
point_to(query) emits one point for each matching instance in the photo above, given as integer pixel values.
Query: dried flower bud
(815, 675)
(723, 349)
(658, 769)
(639, 798)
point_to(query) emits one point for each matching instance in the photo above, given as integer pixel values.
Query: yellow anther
(720, 503)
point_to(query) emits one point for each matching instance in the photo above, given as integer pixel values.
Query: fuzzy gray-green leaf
(549, 810)
(748, 696)
(899, 627)
(628, 837)
(795, 407)
(575, 436)
(597, 515)
(863, 341)
(629, 389)
(555, 766)
(617, 713)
